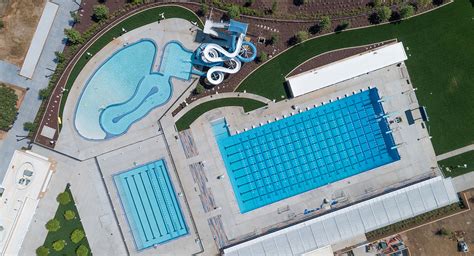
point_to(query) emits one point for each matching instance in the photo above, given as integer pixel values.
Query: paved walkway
(455, 152)
(464, 182)
(222, 96)
(45, 67)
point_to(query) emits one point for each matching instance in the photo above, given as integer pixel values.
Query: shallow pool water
(125, 88)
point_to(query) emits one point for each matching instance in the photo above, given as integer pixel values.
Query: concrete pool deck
(71, 143)
(115, 162)
(418, 159)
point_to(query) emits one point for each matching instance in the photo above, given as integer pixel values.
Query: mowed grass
(458, 165)
(67, 227)
(440, 63)
(187, 119)
(140, 19)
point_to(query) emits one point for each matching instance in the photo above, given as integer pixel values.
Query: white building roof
(39, 39)
(346, 69)
(26, 179)
(355, 220)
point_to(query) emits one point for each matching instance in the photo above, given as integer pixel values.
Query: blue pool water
(307, 150)
(125, 88)
(150, 204)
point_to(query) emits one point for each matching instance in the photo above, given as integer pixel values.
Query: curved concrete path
(244, 95)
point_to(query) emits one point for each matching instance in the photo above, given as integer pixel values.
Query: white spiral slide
(215, 53)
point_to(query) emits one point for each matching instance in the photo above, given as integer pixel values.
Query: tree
(59, 245)
(82, 250)
(274, 39)
(8, 110)
(29, 126)
(73, 36)
(263, 57)
(77, 235)
(325, 23)
(63, 198)
(100, 12)
(199, 89)
(301, 36)
(274, 7)
(299, 2)
(233, 11)
(135, 2)
(384, 13)
(60, 58)
(407, 11)
(69, 214)
(53, 225)
(42, 251)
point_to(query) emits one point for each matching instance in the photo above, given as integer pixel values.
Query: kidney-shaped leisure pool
(125, 88)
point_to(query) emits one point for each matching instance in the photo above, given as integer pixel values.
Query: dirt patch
(20, 18)
(425, 241)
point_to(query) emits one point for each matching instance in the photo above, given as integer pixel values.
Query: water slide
(227, 62)
(215, 75)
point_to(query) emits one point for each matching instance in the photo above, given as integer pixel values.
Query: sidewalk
(45, 67)
(455, 152)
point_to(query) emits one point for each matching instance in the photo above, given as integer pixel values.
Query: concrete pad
(39, 39)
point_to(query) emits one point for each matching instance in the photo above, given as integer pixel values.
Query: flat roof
(25, 181)
(355, 220)
(39, 39)
(346, 69)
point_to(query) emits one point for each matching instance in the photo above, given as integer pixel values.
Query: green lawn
(441, 66)
(187, 119)
(456, 164)
(67, 227)
(135, 21)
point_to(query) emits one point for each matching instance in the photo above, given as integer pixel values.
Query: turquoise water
(150, 204)
(125, 88)
(307, 150)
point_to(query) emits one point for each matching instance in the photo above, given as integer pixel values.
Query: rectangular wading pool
(307, 150)
(150, 204)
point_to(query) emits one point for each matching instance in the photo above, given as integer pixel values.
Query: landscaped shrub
(344, 25)
(299, 2)
(59, 245)
(384, 13)
(69, 215)
(63, 198)
(407, 11)
(234, 12)
(75, 17)
(2, 25)
(325, 23)
(42, 251)
(29, 126)
(249, 3)
(262, 57)
(443, 232)
(274, 39)
(8, 109)
(60, 58)
(82, 250)
(77, 235)
(73, 36)
(199, 89)
(301, 36)
(53, 225)
(101, 12)
(274, 7)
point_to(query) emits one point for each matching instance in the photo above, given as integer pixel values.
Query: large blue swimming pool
(307, 150)
(126, 87)
(150, 204)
